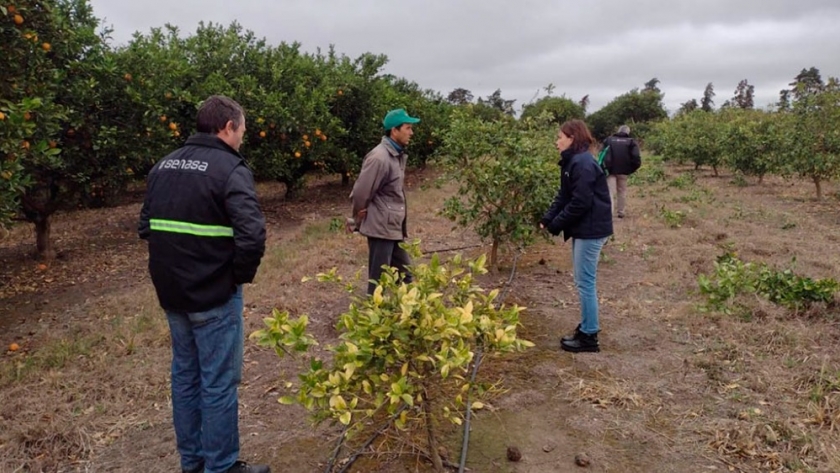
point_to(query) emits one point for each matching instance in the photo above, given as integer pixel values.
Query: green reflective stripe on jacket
(174, 226)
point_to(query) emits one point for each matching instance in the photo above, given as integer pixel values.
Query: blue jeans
(207, 349)
(585, 256)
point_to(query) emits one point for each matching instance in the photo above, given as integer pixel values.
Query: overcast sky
(602, 47)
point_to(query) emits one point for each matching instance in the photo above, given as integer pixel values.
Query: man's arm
(248, 224)
(370, 179)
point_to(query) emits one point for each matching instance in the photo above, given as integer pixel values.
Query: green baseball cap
(397, 117)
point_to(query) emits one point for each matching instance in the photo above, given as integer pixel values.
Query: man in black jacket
(622, 159)
(206, 237)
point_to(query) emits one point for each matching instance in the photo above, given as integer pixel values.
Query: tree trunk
(760, 179)
(714, 168)
(818, 183)
(345, 179)
(43, 243)
(494, 253)
(433, 446)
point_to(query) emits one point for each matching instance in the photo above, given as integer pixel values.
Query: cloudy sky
(602, 48)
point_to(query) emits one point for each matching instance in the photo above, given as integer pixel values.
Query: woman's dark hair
(579, 133)
(216, 111)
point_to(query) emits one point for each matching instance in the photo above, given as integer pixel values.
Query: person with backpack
(622, 158)
(581, 211)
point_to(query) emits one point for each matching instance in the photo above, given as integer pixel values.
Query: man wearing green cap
(379, 198)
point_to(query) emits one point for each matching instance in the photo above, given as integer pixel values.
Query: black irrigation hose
(445, 250)
(336, 450)
(479, 353)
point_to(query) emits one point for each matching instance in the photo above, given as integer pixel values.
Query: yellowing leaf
(466, 313)
(377, 296)
(345, 418)
(477, 405)
(337, 402)
(286, 400)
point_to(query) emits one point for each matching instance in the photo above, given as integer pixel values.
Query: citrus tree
(814, 123)
(506, 173)
(755, 142)
(404, 352)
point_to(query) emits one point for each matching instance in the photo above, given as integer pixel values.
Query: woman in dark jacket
(581, 211)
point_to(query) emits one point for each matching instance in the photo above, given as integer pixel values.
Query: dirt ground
(675, 388)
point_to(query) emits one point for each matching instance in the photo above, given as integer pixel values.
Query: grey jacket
(379, 189)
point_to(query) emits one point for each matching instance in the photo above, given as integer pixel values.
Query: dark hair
(388, 131)
(579, 133)
(216, 111)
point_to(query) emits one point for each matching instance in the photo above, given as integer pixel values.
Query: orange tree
(64, 138)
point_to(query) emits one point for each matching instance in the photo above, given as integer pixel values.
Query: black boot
(198, 469)
(583, 343)
(242, 467)
(573, 336)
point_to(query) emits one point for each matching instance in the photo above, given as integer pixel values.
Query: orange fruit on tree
(127, 77)
(305, 137)
(317, 132)
(18, 20)
(307, 144)
(340, 92)
(25, 144)
(27, 116)
(173, 126)
(53, 144)
(2, 116)
(176, 134)
(163, 118)
(262, 134)
(323, 137)
(14, 347)
(46, 46)
(11, 9)
(297, 154)
(168, 95)
(272, 125)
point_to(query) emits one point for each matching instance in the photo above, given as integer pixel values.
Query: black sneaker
(584, 343)
(573, 336)
(242, 467)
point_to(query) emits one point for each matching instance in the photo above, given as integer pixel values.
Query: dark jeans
(386, 253)
(206, 369)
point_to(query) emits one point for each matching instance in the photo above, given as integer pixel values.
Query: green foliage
(672, 218)
(815, 126)
(651, 172)
(690, 137)
(506, 173)
(559, 109)
(405, 351)
(638, 109)
(81, 119)
(801, 138)
(733, 277)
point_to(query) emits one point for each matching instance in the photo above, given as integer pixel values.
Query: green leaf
(287, 400)
(345, 418)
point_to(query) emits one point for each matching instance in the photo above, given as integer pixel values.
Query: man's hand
(361, 215)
